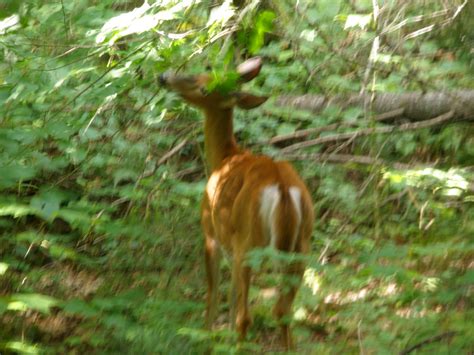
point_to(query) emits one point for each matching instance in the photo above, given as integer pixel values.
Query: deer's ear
(249, 69)
(249, 101)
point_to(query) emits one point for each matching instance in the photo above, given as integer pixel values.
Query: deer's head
(195, 88)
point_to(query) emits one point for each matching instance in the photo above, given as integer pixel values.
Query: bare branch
(355, 159)
(428, 341)
(375, 130)
(306, 132)
(163, 159)
(173, 151)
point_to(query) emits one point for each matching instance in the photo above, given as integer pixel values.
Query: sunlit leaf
(139, 20)
(263, 24)
(309, 35)
(356, 20)
(22, 347)
(15, 210)
(9, 24)
(221, 14)
(312, 280)
(34, 301)
(3, 268)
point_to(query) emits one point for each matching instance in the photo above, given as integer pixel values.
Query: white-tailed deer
(250, 201)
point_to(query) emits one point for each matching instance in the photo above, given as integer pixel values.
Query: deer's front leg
(212, 258)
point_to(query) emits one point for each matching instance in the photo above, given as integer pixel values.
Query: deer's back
(244, 193)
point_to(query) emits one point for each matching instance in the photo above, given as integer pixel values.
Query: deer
(250, 201)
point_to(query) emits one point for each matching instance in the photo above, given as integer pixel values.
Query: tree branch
(164, 158)
(428, 341)
(375, 130)
(306, 132)
(348, 158)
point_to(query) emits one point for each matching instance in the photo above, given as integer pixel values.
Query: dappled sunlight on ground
(452, 182)
(411, 312)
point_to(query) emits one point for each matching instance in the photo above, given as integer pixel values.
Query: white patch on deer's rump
(295, 195)
(268, 205)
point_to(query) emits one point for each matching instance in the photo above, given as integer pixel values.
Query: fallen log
(412, 106)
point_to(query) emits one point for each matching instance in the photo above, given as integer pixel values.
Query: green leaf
(223, 83)
(15, 209)
(79, 307)
(46, 208)
(4, 304)
(124, 175)
(61, 252)
(193, 190)
(286, 128)
(29, 236)
(467, 279)
(351, 115)
(139, 20)
(328, 9)
(356, 20)
(21, 347)
(3, 268)
(428, 47)
(8, 7)
(35, 301)
(263, 24)
(74, 217)
(12, 174)
(121, 301)
(220, 15)
(59, 129)
(285, 55)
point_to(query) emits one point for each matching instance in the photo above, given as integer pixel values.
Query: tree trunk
(413, 106)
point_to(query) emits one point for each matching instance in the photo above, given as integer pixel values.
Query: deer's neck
(219, 140)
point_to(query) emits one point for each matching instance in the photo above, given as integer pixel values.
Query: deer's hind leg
(240, 314)
(212, 259)
(292, 277)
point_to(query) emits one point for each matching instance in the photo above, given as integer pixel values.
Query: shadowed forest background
(102, 172)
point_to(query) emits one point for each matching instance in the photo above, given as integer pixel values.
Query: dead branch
(306, 132)
(373, 130)
(355, 159)
(173, 151)
(164, 158)
(428, 341)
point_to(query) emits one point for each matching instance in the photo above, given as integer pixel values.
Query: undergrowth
(102, 173)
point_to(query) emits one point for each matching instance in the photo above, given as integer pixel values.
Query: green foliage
(263, 25)
(23, 302)
(100, 245)
(223, 83)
